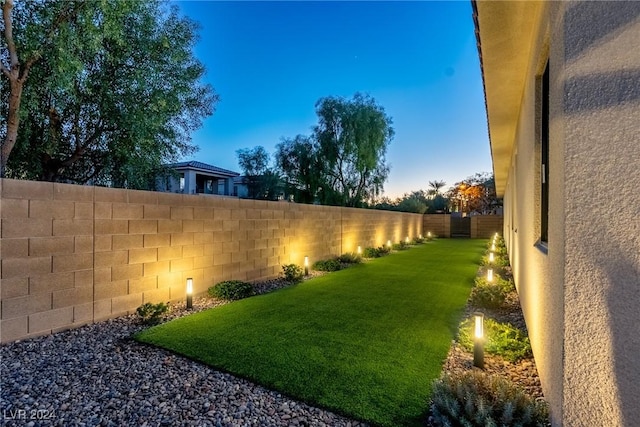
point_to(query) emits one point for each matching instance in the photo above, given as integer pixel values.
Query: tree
(118, 91)
(435, 187)
(475, 194)
(301, 168)
(351, 138)
(262, 182)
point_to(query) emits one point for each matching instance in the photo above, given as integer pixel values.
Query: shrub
(488, 296)
(417, 240)
(400, 246)
(327, 265)
(350, 258)
(476, 399)
(499, 261)
(502, 339)
(231, 290)
(151, 314)
(506, 285)
(376, 252)
(292, 272)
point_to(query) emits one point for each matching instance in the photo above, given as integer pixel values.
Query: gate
(460, 227)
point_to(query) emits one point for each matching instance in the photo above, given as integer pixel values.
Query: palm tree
(434, 188)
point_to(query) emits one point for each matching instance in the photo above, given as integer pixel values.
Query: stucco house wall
(580, 292)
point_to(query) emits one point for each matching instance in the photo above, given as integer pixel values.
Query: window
(182, 182)
(544, 157)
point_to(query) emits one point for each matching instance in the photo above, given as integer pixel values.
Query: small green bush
(400, 246)
(502, 339)
(151, 314)
(376, 252)
(506, 285)
(478, 400)
(499, 261)
(417, 241)
(292, 272)
(231, 290)
(350, 258)
(327, 265)
(488, 296)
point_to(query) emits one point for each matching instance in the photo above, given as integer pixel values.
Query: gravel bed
(97, 375)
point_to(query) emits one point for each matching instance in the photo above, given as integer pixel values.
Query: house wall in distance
(71, 255)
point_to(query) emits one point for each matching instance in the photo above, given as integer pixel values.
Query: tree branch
(8, 33)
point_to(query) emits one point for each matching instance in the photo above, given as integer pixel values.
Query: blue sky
(270, 62)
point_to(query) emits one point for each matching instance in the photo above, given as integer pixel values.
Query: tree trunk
(13, 120)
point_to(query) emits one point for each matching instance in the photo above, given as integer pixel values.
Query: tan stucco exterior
(580, 292)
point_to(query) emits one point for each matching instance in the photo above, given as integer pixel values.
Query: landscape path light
(406, 240)
(491, 257)
(490, 275)
(189, 293)
(306, 266)
(388, 243)
(478, 340)
(429, 234)
(359, 250)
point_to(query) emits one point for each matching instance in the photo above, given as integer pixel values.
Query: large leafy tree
(476, 194)
(351, 138)
(262, 181)
(112, 92)
(301, 167)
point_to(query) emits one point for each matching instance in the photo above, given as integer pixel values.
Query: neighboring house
(199, 178)
(240, 187)
(562, 91)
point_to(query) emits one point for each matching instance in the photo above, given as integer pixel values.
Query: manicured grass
(366, 342)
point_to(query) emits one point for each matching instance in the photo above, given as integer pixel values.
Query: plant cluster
(400, 246)
(417, 240)
(493, 294)
(292, 272)
(350, 258)
(332, 264)
(376, 252)
(231, 290)
(151, 314)
(503, 339)
(474, 399)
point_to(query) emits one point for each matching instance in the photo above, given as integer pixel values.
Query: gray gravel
(96, 375)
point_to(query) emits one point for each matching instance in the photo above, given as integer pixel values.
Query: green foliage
(300, 167)
(475, 399)
(292, 272)
(506, 285)
(352, 137)
(400, 246)
(350, 258)
(327, 265)
(151, 314)
(417, 240)
(231, 290)
(487, 296)
(375, 252)
(499, 260)
(262, 181)
(502, 339)
(114, 94)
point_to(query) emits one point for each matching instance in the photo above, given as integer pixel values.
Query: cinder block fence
(71, 255)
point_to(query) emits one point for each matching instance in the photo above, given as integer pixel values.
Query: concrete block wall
(438, 224)
(482, 226)
(71, 255)
(485, 226)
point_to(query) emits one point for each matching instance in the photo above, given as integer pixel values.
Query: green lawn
(366, 342)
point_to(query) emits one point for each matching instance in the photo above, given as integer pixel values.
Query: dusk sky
(270, 62)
